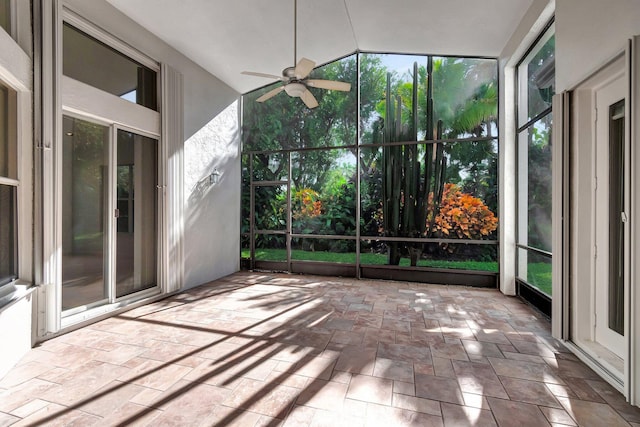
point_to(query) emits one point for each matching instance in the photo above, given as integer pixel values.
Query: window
(5, 15)
(96, 64)
(8, 188)
(536, 87)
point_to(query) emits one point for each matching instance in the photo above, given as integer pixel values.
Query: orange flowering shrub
(463, 216)
(306, 204)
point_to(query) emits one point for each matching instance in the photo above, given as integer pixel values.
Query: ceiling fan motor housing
(289, 73)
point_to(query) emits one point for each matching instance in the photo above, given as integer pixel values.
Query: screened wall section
(395, 179)
(536, 87)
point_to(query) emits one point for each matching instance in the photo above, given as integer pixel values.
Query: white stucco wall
(212, 215)
(15, 332)
(211, 139)
(589, 33)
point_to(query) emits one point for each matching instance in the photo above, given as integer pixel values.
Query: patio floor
(256, 349)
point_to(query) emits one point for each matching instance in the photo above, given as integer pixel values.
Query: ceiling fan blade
(308, 99)
(329, 84)
(270, 94)
(303, 68)
(253, 73)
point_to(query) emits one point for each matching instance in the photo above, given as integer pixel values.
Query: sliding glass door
(109, 214)
(84, 225)
(136, 208)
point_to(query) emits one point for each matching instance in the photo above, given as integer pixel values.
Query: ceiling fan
(295, 79)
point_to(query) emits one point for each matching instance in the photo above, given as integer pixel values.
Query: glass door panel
(84, 205)
(137, 207)
(109, 214)
(616, 217)
(610, 200)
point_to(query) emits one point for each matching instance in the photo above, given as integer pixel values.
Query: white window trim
(13, 19)
(583, 155)
(96, 104)
(15, 74)
(80, 314)
(86, 102)
(172, 172)
(532, 24)
(522, 159)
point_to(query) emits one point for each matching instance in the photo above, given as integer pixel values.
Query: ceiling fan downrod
(295, 79)
(295, 32)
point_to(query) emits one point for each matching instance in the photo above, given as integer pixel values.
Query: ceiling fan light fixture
(295, 89)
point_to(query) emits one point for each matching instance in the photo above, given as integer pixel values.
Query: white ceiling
(229, 36)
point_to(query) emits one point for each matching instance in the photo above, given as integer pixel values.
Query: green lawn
(365, 259)
(539, 276)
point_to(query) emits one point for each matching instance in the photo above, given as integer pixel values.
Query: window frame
(12, 20)
(11, 179)
(108, 39)
(17, 79)
(92, 45)
(74, 98)
(525, 289)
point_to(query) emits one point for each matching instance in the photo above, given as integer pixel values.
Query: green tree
(284, 123)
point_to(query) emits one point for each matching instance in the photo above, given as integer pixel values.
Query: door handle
(116, 213)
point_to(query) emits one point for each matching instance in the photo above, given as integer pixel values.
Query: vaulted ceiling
(229, 36)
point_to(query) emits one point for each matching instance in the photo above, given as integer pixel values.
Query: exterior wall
(211, 139)
(589, 33)
(212, 215)
(16, 309)
(15, 331)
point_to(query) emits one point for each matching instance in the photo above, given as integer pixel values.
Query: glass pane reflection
(7, 233)
(84, 201)
(535, 269)
(92, 62)
(534, 185)
(137, 205)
